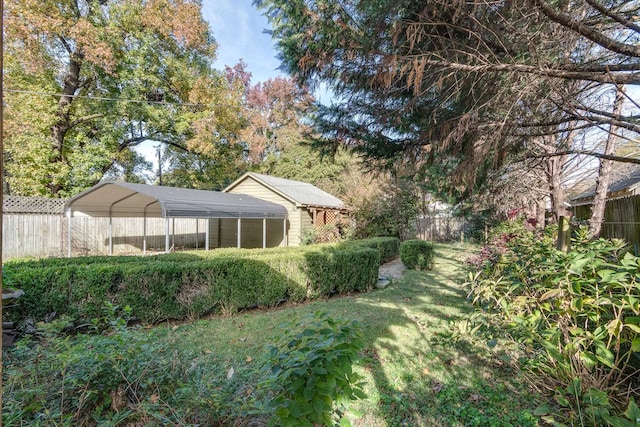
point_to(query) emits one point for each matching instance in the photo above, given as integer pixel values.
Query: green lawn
(414, 375)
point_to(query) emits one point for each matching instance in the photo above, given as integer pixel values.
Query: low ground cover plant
(577, 314)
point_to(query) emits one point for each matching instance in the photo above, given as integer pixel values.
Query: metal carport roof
(124, 199)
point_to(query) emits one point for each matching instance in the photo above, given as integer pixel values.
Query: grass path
(415, 375)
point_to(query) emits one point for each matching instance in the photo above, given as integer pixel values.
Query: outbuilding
(238, 220)
(307, 205)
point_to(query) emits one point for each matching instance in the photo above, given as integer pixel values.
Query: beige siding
(253, 188)
(251, 233)
(305, 221)
(214, 233)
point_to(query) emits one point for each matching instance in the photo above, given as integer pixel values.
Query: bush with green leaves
(578, 313)
(310, 379)
(340, 271)
(387, 247)
(417, 254)
(170, 288)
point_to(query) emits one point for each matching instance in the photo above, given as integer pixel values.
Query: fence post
(564, 234)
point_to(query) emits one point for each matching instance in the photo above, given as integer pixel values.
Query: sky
(238, 28)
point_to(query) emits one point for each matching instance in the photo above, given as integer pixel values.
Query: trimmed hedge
(417, 254)
(387, 247)
(179, 286)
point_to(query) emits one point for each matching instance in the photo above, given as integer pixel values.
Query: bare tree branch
(595, 36)
(614, 158)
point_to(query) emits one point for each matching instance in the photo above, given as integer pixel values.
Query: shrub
(164, 288)
(417, 254)
(578, 314)
(310, 378)
(387, 247)
(330, 270)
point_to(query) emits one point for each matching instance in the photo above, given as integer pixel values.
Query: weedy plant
(579, 315)
(120, 375)
(310, 380)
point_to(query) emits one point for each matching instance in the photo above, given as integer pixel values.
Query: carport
(114, 199)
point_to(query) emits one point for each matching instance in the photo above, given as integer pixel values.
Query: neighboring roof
(124, 199)
(298, 192)
(627, 179)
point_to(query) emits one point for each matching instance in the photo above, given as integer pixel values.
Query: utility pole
(159, 154)
(1, 174)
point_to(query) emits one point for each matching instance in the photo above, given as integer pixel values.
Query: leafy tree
(468, 84)
(274, 111)
(212, 171)
(71, 64)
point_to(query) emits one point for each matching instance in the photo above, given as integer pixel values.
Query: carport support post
(166, 236)
(69, 215)
(239, 232)
(264, 233)
(144, 236)
(206, 235)
(110, 235)
(284, 235)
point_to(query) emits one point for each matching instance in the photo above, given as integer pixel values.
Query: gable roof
(626, 180)
(298, 192)
(124, 199)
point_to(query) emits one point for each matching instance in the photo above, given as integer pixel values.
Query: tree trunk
(604, 176)
(71, 85)
(555, 166)
(63, 124)
(555, 174)
(541, 210)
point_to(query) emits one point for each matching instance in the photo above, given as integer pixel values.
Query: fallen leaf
(475, 398)
(208, 351)
(425, 371)
(230, 373)
(154, 398)
(249, 359)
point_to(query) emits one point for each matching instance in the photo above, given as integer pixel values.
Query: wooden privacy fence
(439, 228)
(32, 227)
(621, 219)
(36, 227)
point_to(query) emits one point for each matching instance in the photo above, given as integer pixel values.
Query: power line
(102, 98)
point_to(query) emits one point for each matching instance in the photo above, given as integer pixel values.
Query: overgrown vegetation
(207, 372)
(577, 316)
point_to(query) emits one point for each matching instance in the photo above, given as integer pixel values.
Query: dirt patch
(393, 269)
